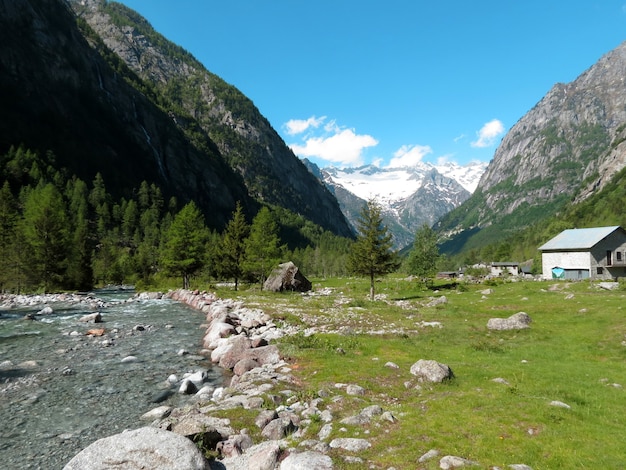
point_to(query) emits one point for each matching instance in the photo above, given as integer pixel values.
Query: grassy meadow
(572, 353)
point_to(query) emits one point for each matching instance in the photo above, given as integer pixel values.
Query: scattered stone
(325, 432)
(392, 365)
(128, 359)
(560, 404)
(308, 460)
(437, 301)
(431, 454)
(518, 321)
(608, 285)
(520, 466)
(187, 387)
(95, 332)
(353, 389)
(45, 311)
(351, 444)
(450, 462)
(265, 417)
(146, 447)
(158, 413)
(91, 318)
(278, 429)
(500, 380)
(431, 371)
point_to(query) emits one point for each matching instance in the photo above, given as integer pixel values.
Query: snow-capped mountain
(410, 196)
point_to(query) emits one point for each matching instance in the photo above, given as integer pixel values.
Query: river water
(60, 389)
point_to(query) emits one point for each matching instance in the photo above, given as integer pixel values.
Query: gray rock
(187, 387)
(431, 454)
(159, 412)
(287, 277)
(128, 359)
(355, 390)
(325, 432)
(263, 456)
(518, 321)
(91, 318)
(351, 444)
(520, 466)
(264, 418)
(560, 404)
(450, 462)
(431, 371)
(308, 460)
(148, 448)
(244, 366)
(279, 428)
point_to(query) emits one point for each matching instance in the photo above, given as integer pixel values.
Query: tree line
(59, 233)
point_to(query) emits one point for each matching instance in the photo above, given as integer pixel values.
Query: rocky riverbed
(62, 388)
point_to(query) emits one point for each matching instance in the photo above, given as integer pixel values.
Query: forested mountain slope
(565, 148)
(66, 97)
(246, 140)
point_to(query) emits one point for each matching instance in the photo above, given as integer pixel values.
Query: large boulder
(287, 277)
(431, 371)
(519, 321)
(148, 447)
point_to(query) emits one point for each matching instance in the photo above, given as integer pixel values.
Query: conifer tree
(183, 253)
(79, 272)
(262, 246)
(8, 222)
(424, 255)
(371, 254)
(45, 229)
(233, 246)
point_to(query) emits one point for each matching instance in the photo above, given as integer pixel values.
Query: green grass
(572, 353)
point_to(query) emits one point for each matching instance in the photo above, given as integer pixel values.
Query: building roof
(578, 238)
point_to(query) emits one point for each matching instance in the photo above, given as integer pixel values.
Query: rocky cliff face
(252, 148)
(59, 93)
(567, 146)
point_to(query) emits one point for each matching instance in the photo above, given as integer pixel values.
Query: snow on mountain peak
(389, 185)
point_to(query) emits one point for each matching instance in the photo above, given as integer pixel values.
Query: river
(60, 389)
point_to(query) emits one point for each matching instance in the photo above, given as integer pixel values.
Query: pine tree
(8, 222)
(233, 245)
(371, 254)
(424, 256)
(183, 253)
(79, 272)
(262, 246)
(45, 230)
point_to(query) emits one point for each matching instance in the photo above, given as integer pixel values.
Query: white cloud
(409, 155)
(488, 134)
(343, 146)
(298, 126)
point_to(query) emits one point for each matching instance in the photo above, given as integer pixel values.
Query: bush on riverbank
(572, 354)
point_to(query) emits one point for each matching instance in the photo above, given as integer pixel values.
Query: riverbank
(62, 388)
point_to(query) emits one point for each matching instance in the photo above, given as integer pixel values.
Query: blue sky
(348, 82)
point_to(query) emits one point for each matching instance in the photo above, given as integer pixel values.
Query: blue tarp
(558, 273)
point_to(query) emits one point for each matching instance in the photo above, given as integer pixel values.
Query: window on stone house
(618, 256)
(600, 270)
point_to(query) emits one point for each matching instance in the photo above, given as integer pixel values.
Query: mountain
(409, 196)
(567, 147)
(87, 113)
(144, 111)
(270, 171)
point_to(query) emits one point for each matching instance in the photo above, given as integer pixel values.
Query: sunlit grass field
(574, 352)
